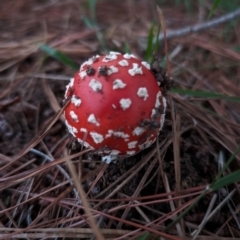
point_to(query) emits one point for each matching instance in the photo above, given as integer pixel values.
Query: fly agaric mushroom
(116, 107)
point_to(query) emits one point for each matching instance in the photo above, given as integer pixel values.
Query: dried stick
(201, 26)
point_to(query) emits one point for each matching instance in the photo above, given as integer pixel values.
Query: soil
(129, 193)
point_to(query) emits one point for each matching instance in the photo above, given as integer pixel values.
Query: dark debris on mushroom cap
(160, 75)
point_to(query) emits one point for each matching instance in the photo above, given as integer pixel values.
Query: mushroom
(117, 107)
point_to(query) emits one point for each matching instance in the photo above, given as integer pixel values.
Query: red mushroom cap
(116, 105)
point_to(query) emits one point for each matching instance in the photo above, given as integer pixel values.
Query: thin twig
(201, 26)
(86, 205)
(194, 28)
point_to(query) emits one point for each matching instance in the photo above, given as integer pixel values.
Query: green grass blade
(214, 6)
(149, 49)
(156, 44)
(143, 237)
(126, 48)
(88, 22)
(204, 94)
(59, 56)
(91, 22)
(226, 180)
(92, 8)
(188, 5)
(227, 164)
(152, 44)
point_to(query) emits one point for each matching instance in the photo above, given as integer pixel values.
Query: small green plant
(91, 22)
(61, 57)
(204, 94)
(152, 44)
(126, 48)
(214, 7)
(144, 236)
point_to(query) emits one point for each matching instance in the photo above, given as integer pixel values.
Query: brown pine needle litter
(53, 188)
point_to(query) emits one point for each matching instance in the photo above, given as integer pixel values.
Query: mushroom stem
(109, 158)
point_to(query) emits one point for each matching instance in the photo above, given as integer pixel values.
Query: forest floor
(43, 197)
